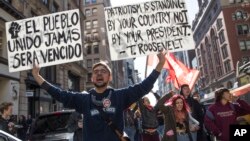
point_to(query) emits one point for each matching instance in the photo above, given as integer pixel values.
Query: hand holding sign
(14, 30)
(162, 60)
(36, 75)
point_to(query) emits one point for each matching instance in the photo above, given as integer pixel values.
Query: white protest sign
(48, 40)
(146, 28)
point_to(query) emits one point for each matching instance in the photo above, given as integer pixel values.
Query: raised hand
(162, 60)
(35, 72)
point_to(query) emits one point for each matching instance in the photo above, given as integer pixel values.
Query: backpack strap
(210, 115)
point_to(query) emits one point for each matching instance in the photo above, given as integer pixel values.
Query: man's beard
(100, 85)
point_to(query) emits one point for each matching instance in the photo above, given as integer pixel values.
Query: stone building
(20, 87)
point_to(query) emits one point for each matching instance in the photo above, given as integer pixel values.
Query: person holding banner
(224, 113)
(102, 106)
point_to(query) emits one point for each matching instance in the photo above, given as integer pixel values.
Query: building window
(95, 36)
(49, 73)
(233, 17)
(88, 38)
(231, 1)
(54, 8)
(96, 49)
(88, 12)
(227, 66)
(239, 15)
(1, 43)
(93, 1)
(89, 77)
(221, 37)
(248, 44)
(94, 11)
(224, 52)
(89, 51)
(95, 23)
(243, 29)
(244, 45)
(45, 2)
(88, 25)
(89, 63)
(219, 71)
(87, 1)
(219, 24)
(245, 15)
(245, 59)
(198, 52)
(209, 18)
(96, 60)
(73, 82)
(199, 60)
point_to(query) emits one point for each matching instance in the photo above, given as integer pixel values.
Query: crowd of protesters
(107, 112)
(186, 119)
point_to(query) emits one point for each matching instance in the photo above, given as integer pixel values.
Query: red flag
(179, 73)
(241, 90)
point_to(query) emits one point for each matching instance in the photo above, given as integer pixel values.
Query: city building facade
(20, 87)
(221, 34)
(96, 42)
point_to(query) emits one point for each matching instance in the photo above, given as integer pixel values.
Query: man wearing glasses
(111, 101)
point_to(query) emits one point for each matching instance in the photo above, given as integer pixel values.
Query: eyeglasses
(101, 71)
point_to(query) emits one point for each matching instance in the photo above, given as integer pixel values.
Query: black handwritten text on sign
(147, 28)
(47, 40)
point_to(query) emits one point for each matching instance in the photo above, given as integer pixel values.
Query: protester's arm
(156, 96)
(210, 124)
(242, 107)
(68, 98)
(134, 93)
(160, 104)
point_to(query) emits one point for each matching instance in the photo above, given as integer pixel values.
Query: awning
(241, 90)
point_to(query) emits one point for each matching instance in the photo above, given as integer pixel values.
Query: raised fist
(14, 30)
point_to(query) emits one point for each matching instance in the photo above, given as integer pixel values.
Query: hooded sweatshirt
(219, 117)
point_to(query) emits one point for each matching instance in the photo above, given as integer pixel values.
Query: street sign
(29, 93)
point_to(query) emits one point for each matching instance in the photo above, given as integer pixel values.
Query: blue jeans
(184, 137)
(160, 130)
(130, 131)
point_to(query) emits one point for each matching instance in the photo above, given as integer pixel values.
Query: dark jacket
(21, 131)
(4, 125)
(95, 128)
(148, 116)
(197, 110)
(169, 119)
(219, 117)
